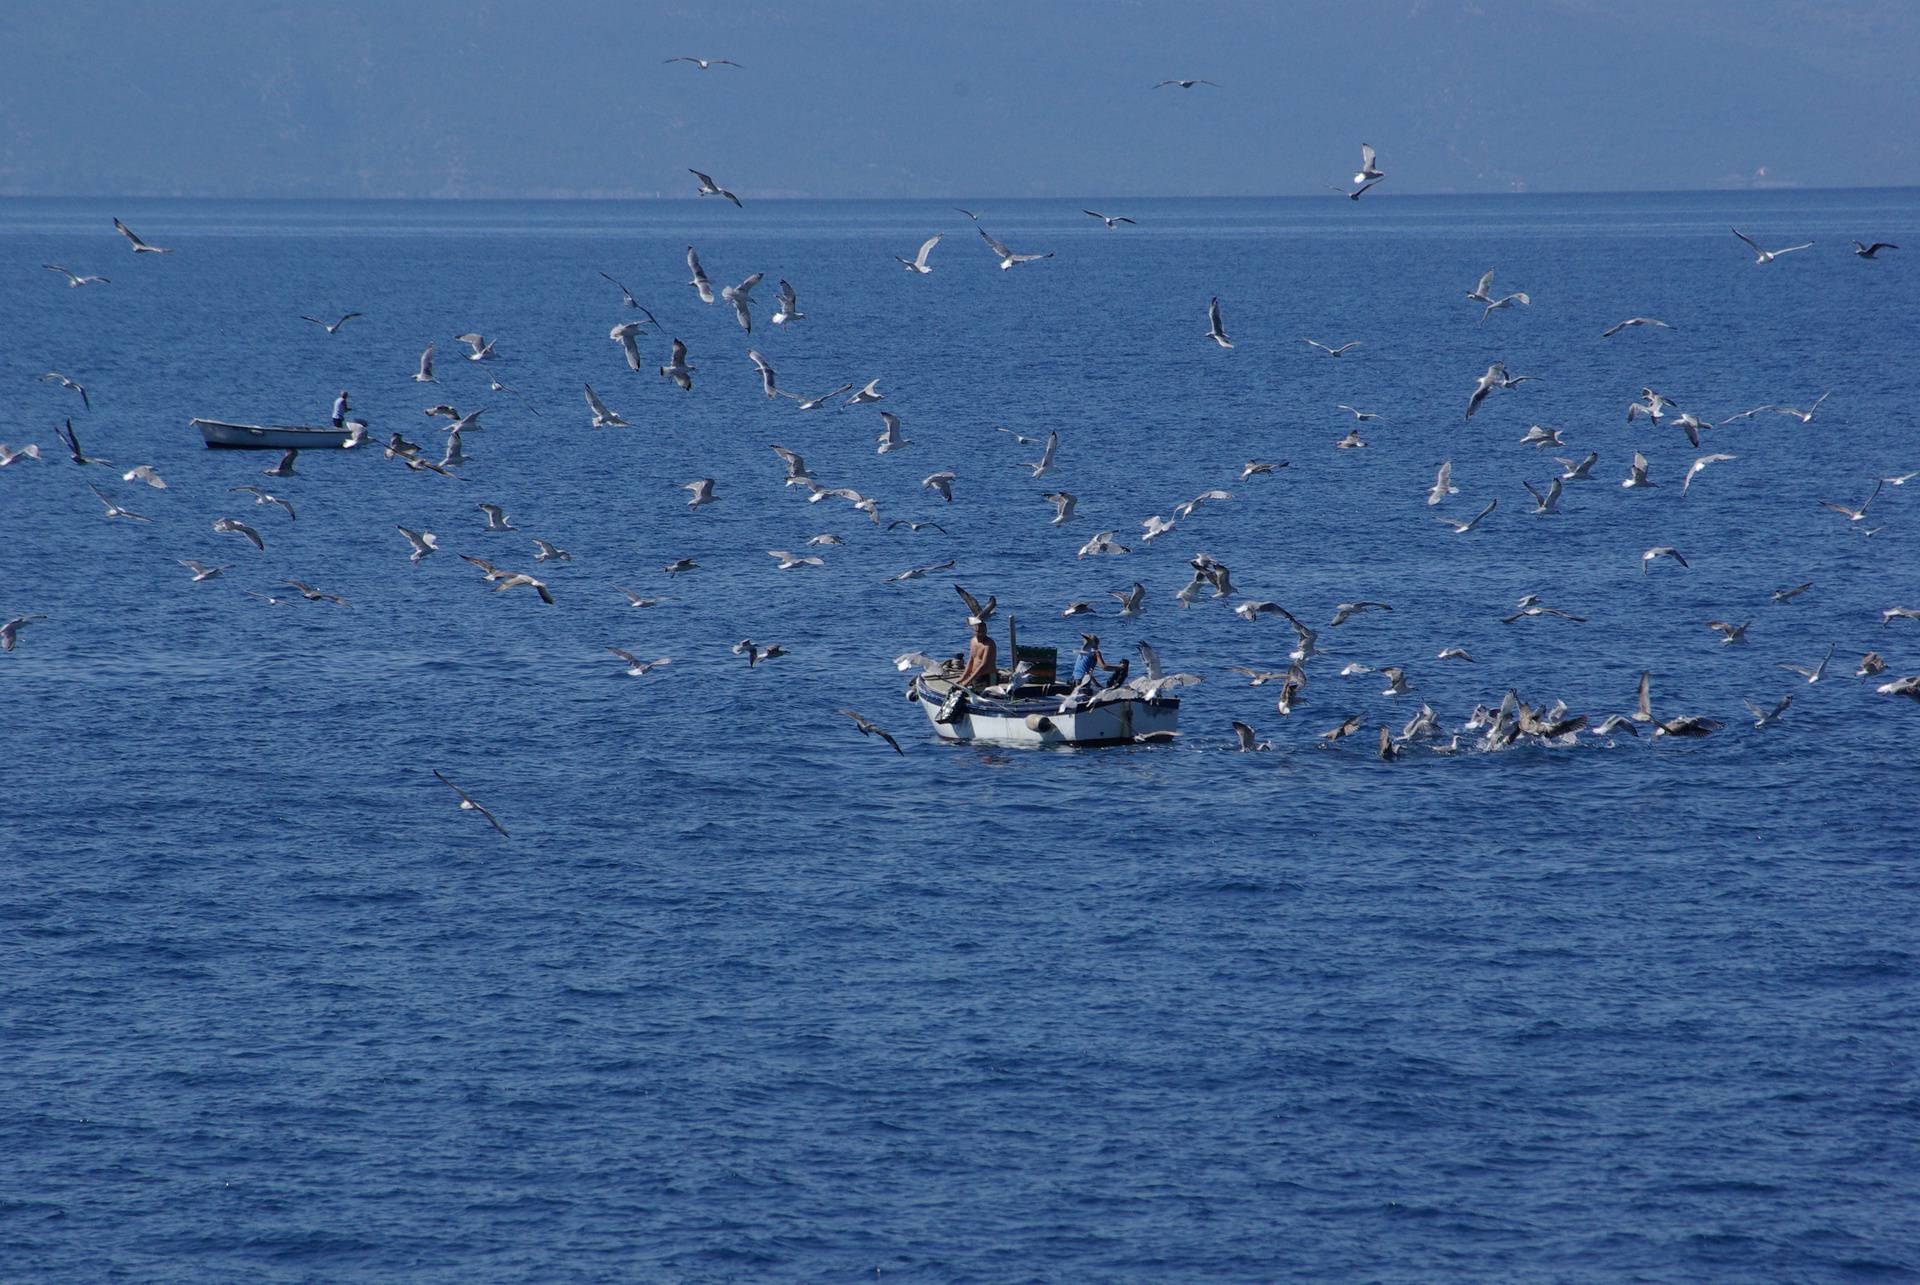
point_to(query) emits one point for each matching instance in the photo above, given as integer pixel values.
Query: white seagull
(918, 263)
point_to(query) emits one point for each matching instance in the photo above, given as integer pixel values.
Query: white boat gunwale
(221, 434)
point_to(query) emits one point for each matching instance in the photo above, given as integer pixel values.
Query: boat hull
(220, 435)
(1038, 723)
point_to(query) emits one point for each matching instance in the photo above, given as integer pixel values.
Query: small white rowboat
(267, 437)
(1032, 716)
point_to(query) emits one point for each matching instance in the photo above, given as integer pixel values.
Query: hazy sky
(900, 98)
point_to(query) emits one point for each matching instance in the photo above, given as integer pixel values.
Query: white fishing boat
(1040, 715)
(267, 437)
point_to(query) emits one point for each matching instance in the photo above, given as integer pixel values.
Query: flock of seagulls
(1512, 721)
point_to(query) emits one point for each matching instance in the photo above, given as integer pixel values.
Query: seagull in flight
(1368, 171)
(234, 526)
(1215, 331)
(870, 393)
(918, 263)
(710, 188)
(1660, 551)
(789, 561)
(1357, 192)
(1495, 377)
(1637, 473)
(870, 728)
(1784, 596)
(335, 327)
(633, 666)
(627, 299)
(72, 444)
(1186, 84)
(115, 510)
(74, 279)
(201, 571)
(699, 281)
(1063, 503)
(1768, 256)
(1505, 301)
(768, 377)
(1008, 258)
(1328, 349)
(496, 517)
(602, 417)
(786, 305)
(1618, 326)
(1731, 635)
(1044, 465)
(481, 347)
(702, 489)
(425, 543)
(1764, 717)
(1815, 674)
(1461, 528)
(704, 64)
(139, 246)
(741, 297)
(1855, 514)
(10, 631)
(467, 804)
(677, 369)
(1364, 416)
(626, 334)
(1442, 484)
(54, 376)
(1548, 503)
(1872, 251)
(809, 403)
(31, 451)
(425, 374)
(262, 497)
(1111, 220)
(1697, 466)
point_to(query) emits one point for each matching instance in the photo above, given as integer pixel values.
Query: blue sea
(747, 996)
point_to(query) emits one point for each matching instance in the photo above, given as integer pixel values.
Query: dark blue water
(748, 996)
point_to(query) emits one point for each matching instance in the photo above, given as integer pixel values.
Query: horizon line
(678, 198)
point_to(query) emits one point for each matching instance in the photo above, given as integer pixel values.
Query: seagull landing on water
(710, 188)
(1216, 331)
(1111, 220)
(139, 246)
(918, 263)
(1008, 258)
(1768, 256)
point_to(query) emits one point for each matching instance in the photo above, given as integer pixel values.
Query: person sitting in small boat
(982, 657)
(1088, 658)
(340, 409)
